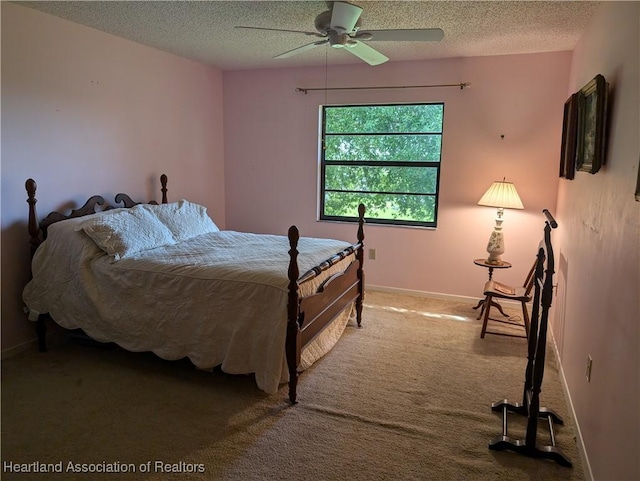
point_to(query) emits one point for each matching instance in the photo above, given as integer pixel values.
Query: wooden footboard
(309, 316)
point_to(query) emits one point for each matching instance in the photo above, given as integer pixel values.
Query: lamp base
(495, 262)
(495, 247)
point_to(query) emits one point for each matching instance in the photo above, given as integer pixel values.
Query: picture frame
(569, 138)
(638, 183)
(592, 117)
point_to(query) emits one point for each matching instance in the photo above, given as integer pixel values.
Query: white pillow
(183, 218)
(127, 232)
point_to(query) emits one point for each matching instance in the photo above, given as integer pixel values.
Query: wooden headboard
(38, 229)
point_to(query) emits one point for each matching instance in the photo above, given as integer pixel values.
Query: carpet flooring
(406, 397)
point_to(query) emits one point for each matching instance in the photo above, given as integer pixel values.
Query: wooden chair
(497, 290)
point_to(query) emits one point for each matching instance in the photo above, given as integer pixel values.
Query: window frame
(377, 163)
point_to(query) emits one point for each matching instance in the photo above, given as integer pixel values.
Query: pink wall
(599, 244)
(271, 159)
(85, 113)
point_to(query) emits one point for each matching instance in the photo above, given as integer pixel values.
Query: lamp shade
(503, 195)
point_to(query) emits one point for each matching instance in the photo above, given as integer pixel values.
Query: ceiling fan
(340, 28)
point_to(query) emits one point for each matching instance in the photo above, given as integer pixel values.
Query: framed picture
(569, 138)
(638, 184)
(592, 118)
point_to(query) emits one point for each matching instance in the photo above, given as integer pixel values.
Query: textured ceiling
(204, 30)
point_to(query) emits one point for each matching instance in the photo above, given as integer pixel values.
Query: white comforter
(218, 298)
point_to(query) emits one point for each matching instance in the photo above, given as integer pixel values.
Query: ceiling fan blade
(344, 17)
(366, 53)
(311, 34)
(301, 49)
(407, 35)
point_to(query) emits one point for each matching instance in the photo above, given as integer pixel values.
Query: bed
(163, 278)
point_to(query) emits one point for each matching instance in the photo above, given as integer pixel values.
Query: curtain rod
(464, 85)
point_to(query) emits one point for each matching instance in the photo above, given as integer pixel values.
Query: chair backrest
(528, 282)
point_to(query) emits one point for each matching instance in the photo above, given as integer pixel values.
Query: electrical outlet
(372, 254)
(589, 364)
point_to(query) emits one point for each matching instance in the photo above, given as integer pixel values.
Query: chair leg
(487, 308)
(525, 316)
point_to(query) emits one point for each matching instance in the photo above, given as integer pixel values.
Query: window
(384, 156)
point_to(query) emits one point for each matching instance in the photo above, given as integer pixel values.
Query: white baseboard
(32, 345)
(412, 292)
(565, 388)
(433, 295)
(27, 346)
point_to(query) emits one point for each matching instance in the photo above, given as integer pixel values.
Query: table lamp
(502, 195)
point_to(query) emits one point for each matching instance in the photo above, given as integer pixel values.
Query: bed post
(163, 182)
(293, 328)
(34, 242)
(360, 257)
(34, 228)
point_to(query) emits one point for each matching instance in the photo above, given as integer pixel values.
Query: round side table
(491, 267)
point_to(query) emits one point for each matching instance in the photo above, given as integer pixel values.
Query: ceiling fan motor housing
(323, 24)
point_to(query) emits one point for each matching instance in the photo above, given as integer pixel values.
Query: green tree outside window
(384, 156)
